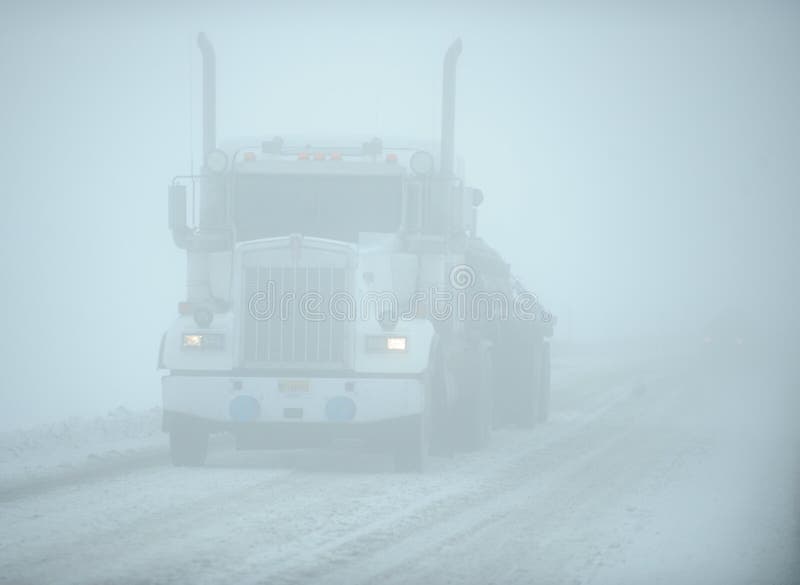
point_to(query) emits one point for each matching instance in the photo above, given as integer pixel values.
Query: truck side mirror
(177, 208)
(477, 197)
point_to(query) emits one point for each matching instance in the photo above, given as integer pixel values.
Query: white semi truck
(340, 290)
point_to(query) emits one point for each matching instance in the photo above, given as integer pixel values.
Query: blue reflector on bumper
(340, 409)
(244, 409)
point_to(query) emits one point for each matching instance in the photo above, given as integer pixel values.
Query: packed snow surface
(657, 471)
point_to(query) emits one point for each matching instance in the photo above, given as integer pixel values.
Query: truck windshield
(327, 206)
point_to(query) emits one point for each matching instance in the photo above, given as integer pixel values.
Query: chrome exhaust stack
(449, 108)
(209, 94)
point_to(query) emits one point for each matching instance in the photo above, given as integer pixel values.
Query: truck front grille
(290, 337)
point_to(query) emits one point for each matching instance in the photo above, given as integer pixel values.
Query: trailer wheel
(188, 446)
(543, 410)
(530, 389)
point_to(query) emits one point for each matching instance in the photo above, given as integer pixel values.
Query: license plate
(294, 386)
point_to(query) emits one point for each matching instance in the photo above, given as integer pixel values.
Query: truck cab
(331, 293)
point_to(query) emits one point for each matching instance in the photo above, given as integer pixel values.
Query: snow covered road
(640, 476)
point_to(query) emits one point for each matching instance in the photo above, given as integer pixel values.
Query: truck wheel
(505, 358)
(412, 445)
(543, 410)
(476, 417)
(530, 390)
(188, 446)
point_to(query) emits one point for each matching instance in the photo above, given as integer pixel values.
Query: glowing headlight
(386, 343)
(203, 341)
(396, 343)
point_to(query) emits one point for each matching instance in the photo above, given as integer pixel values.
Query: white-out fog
(640, 164)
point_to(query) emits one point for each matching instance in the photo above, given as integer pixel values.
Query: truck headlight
(392, 343)
(203, 341)
(396, 343)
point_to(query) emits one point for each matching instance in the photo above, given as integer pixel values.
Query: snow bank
(77, 443)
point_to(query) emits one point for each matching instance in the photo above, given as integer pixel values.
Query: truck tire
(412, 446)
(505, 378)
(530, 388)
(426, 434)
(188, 446)
(475, 409)
(543, 410)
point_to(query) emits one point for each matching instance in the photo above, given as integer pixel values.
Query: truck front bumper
(231, 401)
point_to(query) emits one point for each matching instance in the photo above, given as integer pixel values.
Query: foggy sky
(640, 164)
